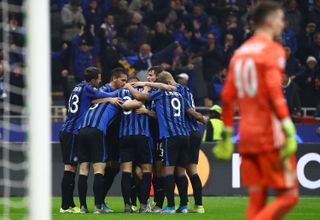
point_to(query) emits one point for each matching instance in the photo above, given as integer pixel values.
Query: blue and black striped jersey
(191, 123)
(106, 88)
(132, 123)
(170, 108)
(79, 102)
(100, 116)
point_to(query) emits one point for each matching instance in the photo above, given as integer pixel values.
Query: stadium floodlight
(25, 165)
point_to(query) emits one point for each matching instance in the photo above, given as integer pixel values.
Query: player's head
(166, 78)
(153, 73)
(119, 77)
(92, 75)
(269, 15)
(133, 79)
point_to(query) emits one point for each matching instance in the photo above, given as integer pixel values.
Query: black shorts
(92, 147)
(112, 142)
(195, 142)
(69, 147)
(135, 148)
(176, 151)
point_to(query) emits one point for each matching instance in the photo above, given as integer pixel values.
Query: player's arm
(144, 110)
(155, 85)
(198, 116)
(114, 101)
(141, 96)
(131, 104)
(279, 105)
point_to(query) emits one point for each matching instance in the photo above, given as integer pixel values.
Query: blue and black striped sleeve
(156, 94)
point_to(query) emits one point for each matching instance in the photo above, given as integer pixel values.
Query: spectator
(216, 86)
(308, 89)
(72, 20)
(199, 15)
(248, 30)
(289, 38)
(291, 93)
(228, 6)
(140, 6)
(316, 46)
(314, 14)
(229, 47)
(161, 37)
(137, 32)
(83, 54)
(93, 15)
(305, 41)
(123, 18)
(107, 30)
(294, 17)
(183, 35)
(212, 58)
(146, 59)
(232, 27)
(180, 10)
(293, 67)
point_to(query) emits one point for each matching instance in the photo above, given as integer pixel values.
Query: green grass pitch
(224, 208)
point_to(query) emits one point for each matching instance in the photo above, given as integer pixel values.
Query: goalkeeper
(267, 135)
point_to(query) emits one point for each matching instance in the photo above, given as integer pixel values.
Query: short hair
(133, 78)
(262, 10)
(91, 73)
(156, 69)
(164, 77)
(117, 72)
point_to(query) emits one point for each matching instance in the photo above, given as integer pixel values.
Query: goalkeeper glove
(290, 146)
(224, 149)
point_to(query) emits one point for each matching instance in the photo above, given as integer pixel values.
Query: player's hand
(290, 146)
(141, 110)
(115, 101)
(205, 120)
(126, 86)
(138, 84)
(224, 149)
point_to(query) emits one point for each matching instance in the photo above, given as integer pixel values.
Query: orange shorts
(267, 170)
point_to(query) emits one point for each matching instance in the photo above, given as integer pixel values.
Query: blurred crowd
(195, 37)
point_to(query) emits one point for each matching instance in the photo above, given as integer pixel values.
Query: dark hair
(91, 73)
(117, 72)
(156, 69)
(262, 10)
(133, 78)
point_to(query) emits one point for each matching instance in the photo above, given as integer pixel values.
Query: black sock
(71, 190)
(144, 187)
(161, 192)
(155, 183)
(197, 189)
(182, 184)
(169, 187)
(98, 190)
(110, 174)
(82, 190)
(126, 181)
(66, 187)
(134, 191)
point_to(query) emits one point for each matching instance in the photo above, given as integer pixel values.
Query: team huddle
(151, 130)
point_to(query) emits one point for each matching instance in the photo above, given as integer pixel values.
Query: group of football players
(147, 130)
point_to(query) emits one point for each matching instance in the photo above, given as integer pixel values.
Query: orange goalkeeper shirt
(254, 85)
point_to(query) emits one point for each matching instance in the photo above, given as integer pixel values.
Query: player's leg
(98, 185)
(126, 157)
(69, 154)
(180, 173)
(83, 186)
(170, 160)
(158, 177)
(257, 201)
(192, 171)
(144, 157)
(285, 201)
(137, 176)
(98, 150)
(280, 175)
